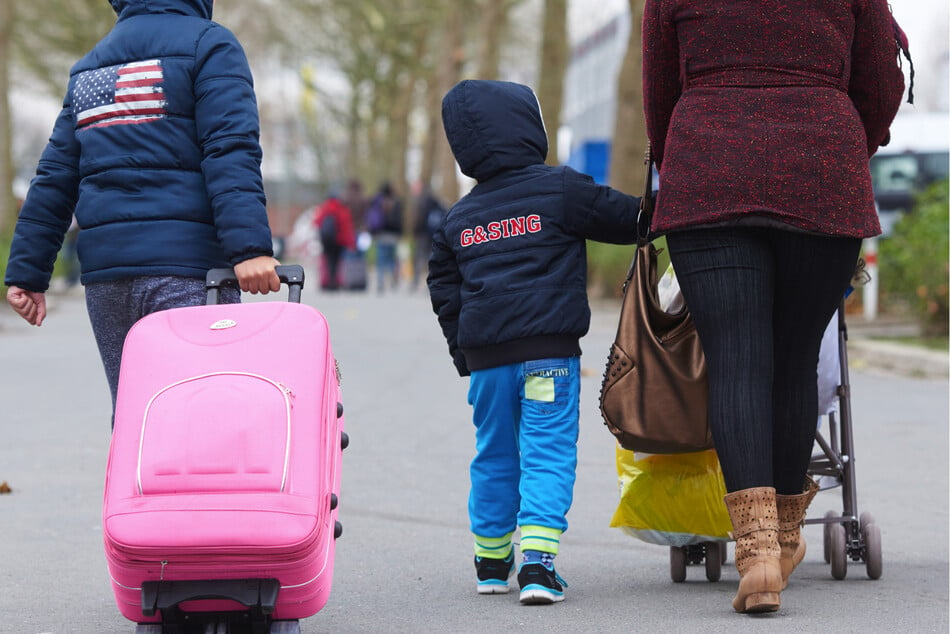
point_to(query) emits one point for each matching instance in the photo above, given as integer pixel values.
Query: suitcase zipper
(286, 393)
(237, 553)
(226, 560)
(234, 563)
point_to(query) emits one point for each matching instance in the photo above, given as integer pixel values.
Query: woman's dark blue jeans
(761, 299)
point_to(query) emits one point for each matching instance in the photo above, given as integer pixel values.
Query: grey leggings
(115, 306)
(761, 299)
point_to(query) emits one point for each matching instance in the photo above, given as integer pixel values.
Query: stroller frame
(846, 535)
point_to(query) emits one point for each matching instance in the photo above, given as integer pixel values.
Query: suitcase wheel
(339, 409)
(338, 529)
(344, 440)
(333, 501)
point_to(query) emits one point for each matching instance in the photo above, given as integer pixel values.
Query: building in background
(590, 100)
(917, 157)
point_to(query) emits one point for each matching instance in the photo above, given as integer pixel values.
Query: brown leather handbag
(654, 392)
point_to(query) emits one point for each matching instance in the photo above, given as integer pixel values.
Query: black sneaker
(494, 574)
(540, 584)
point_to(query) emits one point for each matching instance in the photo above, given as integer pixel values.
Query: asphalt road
(404, 561)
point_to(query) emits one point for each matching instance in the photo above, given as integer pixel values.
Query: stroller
(847, 535)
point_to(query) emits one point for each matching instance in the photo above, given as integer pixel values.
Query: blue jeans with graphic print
(526, 420)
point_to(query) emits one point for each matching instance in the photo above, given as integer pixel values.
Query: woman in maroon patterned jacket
(762, 115)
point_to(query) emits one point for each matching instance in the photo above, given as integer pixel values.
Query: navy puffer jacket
(508, 270)
(156, 151)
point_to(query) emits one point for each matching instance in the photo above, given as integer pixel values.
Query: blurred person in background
(334, 225)
(357, 202)
(429, 216)
(385, 224)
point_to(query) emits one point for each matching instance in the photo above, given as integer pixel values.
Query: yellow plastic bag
(671, 500)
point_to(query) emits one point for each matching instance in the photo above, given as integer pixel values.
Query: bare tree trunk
(554, 61)
(432, 106)
(406, 100)
(352, 161)
(8, 208)
(492, 21)
(379, 131)
(630, 131)
(449, 72)
(400, 139)
(399, 130)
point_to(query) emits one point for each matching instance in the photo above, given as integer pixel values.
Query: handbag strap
(646, 212)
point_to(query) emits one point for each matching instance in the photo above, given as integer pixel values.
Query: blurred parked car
(916, 156)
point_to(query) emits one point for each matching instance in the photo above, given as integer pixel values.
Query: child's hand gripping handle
(290, 274)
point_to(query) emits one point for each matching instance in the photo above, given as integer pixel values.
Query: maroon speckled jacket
(769, 108)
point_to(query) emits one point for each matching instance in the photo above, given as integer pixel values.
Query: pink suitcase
(224, 466)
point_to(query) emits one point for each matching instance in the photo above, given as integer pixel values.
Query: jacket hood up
(493, 126)
(195, 8)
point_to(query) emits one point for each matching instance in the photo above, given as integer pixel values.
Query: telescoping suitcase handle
(290, 274)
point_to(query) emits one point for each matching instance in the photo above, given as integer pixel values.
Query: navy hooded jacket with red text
(508, 270)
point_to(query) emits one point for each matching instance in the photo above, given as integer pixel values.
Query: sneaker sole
(492, 588)
(539, 595)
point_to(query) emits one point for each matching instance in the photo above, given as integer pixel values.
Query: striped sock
(538, 557)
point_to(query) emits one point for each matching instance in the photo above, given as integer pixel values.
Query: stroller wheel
(827, 537)
(713, 559)
(865, 519)
(837, 551)
(678, 564)
(872, 535)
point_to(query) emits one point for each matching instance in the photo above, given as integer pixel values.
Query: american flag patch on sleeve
(121, 94)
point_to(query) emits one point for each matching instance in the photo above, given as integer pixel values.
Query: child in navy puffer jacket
(508, 280)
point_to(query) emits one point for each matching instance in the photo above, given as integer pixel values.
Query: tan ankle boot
(756, 531)
(791, 510)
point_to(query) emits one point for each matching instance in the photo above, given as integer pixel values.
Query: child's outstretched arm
(598, 212)
(30, 305)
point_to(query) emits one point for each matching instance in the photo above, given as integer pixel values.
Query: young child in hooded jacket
(156, 154)
(507, 279)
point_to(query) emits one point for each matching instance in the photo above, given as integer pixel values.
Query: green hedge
(608, 265)
(913, 261)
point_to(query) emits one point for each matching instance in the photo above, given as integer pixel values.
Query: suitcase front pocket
(218, 432)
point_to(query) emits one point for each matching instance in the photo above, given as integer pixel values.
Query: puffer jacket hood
(196, 8)
(493, 126)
